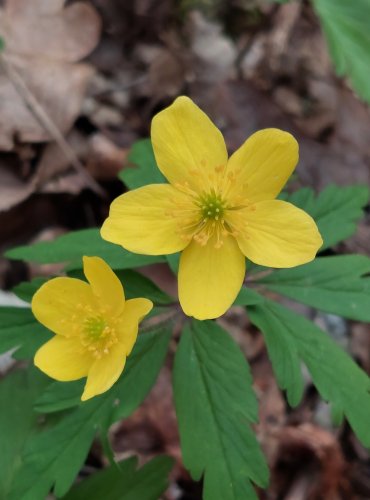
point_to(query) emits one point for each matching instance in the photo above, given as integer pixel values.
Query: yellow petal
(128, 326)
(143, 221)
(278, 234)
(105, 285)
(185, 139)
(57, 304)
(210, 278)
(104, 372)
(63, 359)
(264, 163)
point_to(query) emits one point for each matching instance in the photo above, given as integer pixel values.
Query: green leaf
(145, 170)
(27, 289)
(290, 339)
(215, 404)
(137, 285)
(173, 261)
(247, 297)
(60, 396)
(55, 456)
(72, 246)
(346, 27)
(19, 330)
(17, 420)
(124, 481)
(336, 210)
(333, 284)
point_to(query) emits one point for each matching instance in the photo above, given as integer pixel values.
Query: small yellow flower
(216, 210)
(95, 327)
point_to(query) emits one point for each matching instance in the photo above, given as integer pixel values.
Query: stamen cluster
(97, 336)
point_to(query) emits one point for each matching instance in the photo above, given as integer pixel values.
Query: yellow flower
(216, 210)
(95, 327)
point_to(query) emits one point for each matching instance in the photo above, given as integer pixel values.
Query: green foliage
(55, 456)
(346, 27)
(123, 482)
(336, 210)
(59, 396)
(215, 404)
(20, 331)
(145, 169)
(17, 420)
(71, 247)
(290, 339)
(333, 284)
(247, 297)
(137, 285)
(26, 289)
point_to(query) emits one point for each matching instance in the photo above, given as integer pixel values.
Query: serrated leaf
(72, 246)
(20, 331)
(333, 284)
(17, 420)
(215, 404)
(45, 465)
(291, 338)
(346, 27)
(145, 170)
(336, 210)
(124, 481)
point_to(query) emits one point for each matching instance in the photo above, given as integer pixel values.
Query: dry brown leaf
(14, 189)
(43, 42)
(52, 174)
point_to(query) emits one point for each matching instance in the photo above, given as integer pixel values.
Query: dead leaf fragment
(43, 42)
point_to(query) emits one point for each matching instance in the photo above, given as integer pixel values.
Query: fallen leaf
(43, 43)
(14, 188)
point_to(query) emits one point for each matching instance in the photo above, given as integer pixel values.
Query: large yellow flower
(216, 210)
(95, 327)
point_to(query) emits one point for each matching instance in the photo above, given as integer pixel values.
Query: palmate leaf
(290, 339)
(215, 405)
(124, 482)
(333, 284)
(346, 27)
(20, 331)
(145, 170)
(54, 456)
(336, 210)
(71, 247)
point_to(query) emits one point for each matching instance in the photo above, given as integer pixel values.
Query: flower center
(98, 336)
(212, 206)
(205, 214)
(94, 327)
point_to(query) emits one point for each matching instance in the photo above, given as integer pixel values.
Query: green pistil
(212, 207)
(94, 327)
